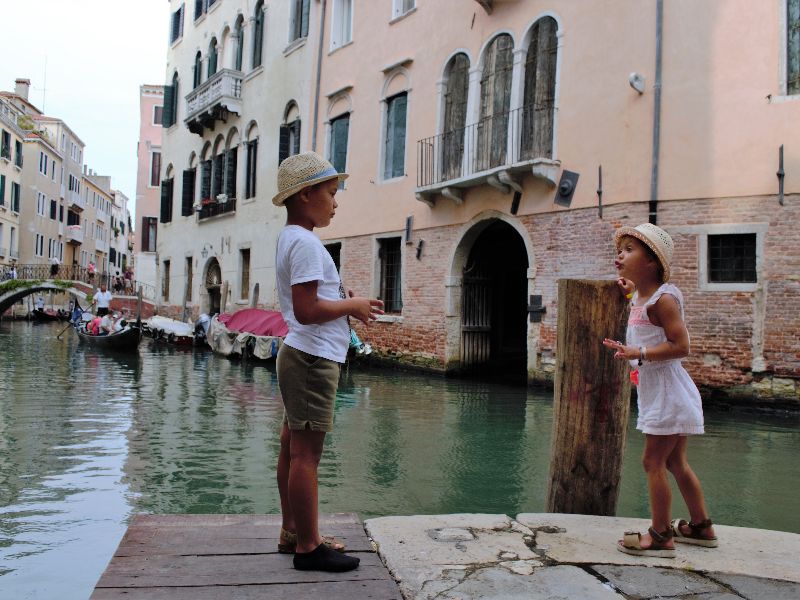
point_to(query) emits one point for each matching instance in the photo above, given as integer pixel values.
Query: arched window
(538, 113)
(198, 70)
(170, 113)
(252, 161)
(258, 34)
(456, 91)
(237, 63)
(498, 65)
(212, 57)
(289, 139)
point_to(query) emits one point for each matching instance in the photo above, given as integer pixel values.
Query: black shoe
(323, 558)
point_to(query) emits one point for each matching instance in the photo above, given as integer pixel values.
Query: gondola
(126, 340)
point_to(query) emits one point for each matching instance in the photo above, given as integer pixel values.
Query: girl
(669, 402)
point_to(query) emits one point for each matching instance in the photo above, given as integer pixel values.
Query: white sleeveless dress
(669, 402)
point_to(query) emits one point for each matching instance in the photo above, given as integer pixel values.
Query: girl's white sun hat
(300, 171)
(658, 240)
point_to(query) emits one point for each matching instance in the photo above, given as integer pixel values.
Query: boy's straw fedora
(658, 240)
(300, 171)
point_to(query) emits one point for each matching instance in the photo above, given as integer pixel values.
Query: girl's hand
(622, 351)
(626, 286)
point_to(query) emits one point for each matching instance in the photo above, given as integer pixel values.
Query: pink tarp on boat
(256, 321)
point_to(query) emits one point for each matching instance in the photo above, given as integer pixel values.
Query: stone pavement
(553, 556)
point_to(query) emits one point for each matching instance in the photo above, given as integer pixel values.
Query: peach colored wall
(719, 132)
(147, 198)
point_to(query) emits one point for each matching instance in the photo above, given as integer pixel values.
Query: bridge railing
(117, 284)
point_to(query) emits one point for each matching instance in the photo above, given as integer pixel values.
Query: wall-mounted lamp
(206, 248)
(636, 81)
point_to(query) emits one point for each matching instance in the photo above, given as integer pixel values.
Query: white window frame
(153, 151)
(384, 132)
(337, 25)
(703, 231)
(397, 9)
(153, 117)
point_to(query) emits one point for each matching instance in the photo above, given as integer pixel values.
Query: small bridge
(26, 280)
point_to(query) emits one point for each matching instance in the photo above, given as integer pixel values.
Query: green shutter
(166, 213)
(304, 19)
(341, 127)
(169, 99)
(2, 190)
(283, 144)
(187, 193)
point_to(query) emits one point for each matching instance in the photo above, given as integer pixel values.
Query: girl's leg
(689, 485)
(657, 449)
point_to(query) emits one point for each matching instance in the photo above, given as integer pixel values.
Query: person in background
(103, 300)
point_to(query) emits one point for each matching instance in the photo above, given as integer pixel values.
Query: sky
(96, 53)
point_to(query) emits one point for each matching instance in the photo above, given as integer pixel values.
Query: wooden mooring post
(591, 400)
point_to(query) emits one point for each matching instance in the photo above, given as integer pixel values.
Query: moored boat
(171, 331)
(251, 332)
(126, 340)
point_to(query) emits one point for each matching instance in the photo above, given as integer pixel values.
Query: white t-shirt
(302, 258)
(103, 299)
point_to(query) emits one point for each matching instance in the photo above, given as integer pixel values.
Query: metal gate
(476, 315)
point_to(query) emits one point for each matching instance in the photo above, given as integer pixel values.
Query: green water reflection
(87, 440)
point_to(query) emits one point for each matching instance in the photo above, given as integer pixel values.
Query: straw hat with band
(655, 238)
(301, 171)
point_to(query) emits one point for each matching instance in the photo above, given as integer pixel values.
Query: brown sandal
(695, 537)
(287, 543)
(631, 543)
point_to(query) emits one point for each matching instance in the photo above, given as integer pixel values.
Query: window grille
(391, 289)
(732, 258)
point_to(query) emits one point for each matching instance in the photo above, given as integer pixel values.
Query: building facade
(235, 103)
(11, 161)
(148, 181)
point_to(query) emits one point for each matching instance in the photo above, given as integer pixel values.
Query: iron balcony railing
(495, 141)
(213, 209)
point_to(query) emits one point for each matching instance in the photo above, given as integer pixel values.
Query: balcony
(101, 215)
(74, 234)
(212, 208)
(101, 246)
(3, 251)
(495, 151)
(213, 100)
(74, 200)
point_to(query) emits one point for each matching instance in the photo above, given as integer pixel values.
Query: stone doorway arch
(491, 278)
(212, 284)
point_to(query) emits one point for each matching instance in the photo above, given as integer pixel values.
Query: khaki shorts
(308, 386)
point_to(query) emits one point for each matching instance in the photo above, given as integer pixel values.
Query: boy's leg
(657, 449)
(284, 462)
(689, 485)
(305, 450)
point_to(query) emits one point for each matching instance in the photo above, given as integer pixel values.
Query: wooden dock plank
(176, 557)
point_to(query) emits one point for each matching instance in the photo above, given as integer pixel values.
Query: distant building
(11, 160)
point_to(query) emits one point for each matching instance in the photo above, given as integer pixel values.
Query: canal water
(87, 440)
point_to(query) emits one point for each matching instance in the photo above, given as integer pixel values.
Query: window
(212, 57)
(732, 258)
(38, 249)
(335, 250)
(189, 277)
(231, 162)
(395, 136)
(18, 155)
(53, 209)
(166, 200)
(42, 163)
(793, 46)
(5, 145)
(187, 192)
(197, 70)
(300, 10)
(205, 180)
(250, 175)
(217, 174)
(341, 23)
(340, 128)
(258, 34)
(239, 35)
(155, 169)
(73, 218)
(401, 7)
(149, 230)
(41, 204)
(176, 27)
(495, 103)
(2, 190)
(165, 282)
(61, 213)
(456, 91)
(538, 110)
(200, 7)
(245, 277)
(391, 290)
(289, 136)
(158, 115)
(3, 251)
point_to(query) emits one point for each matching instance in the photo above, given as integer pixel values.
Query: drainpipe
(653, 209)
(319, 75)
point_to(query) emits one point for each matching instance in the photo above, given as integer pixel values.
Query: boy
(316, 310)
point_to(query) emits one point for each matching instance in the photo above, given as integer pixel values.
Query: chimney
(21, 88)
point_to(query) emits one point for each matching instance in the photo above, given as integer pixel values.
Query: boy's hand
(626, 287)
(365, 309)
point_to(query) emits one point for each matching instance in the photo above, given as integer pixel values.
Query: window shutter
(341, 127)
(230, 172)
(304, 19)
(296, 128)
(187, 193)
(2, 190)
(254, 168)
(283, 143)
(166, 120)
(216, 179)
(399, 135)
(166, 208)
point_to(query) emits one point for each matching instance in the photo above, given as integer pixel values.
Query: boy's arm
(310, 309)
